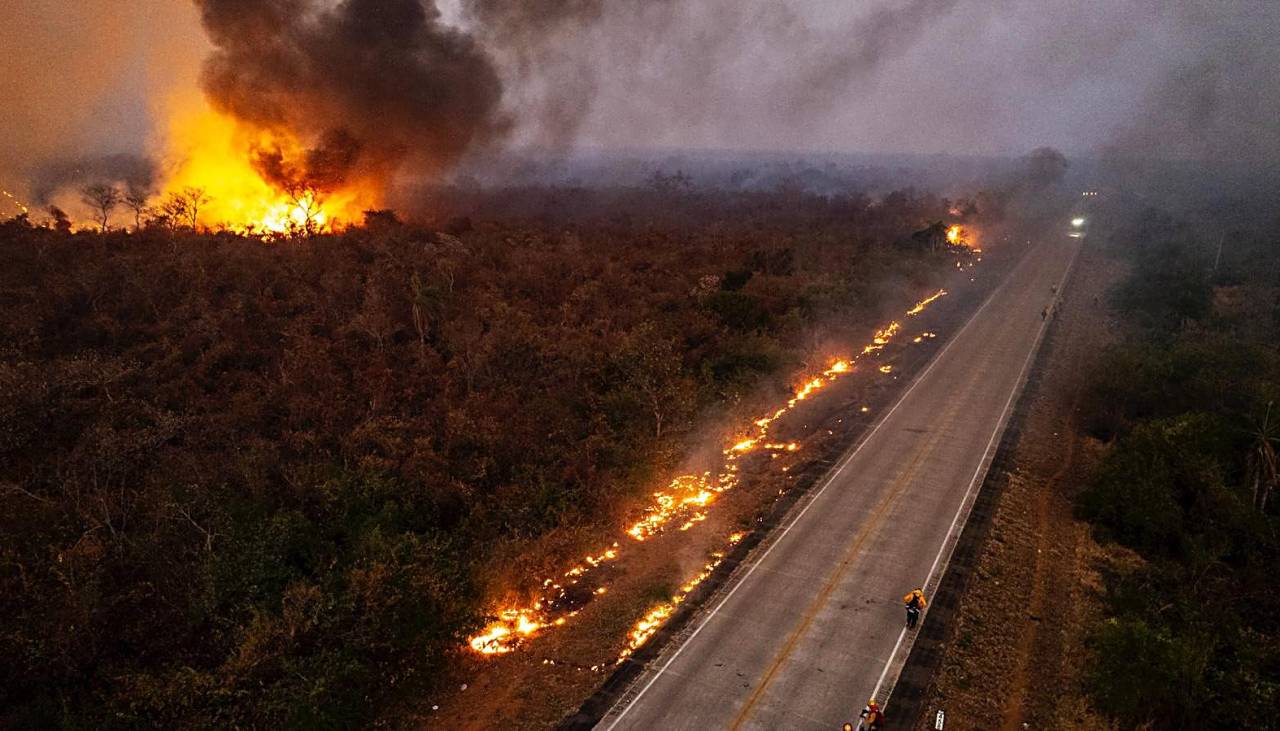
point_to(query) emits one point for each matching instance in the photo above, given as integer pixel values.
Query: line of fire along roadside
(682, 504)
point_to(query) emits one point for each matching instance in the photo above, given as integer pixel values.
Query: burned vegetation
(246, 484)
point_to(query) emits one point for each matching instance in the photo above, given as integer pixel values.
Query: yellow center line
(854, 549)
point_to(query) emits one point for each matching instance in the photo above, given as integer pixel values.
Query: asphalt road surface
(812, 625)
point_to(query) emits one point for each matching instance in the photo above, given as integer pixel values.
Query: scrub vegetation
(1190, 401)
(249, 484)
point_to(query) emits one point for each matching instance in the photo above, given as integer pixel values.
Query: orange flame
(652, 621)
(965, 236)
(926, 302)
(686, 500)
(213, 153)
(19, 204)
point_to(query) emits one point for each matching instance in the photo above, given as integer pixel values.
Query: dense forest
(1188, 402)
(248, 483)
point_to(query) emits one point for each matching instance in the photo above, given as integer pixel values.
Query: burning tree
(308, 206)
(103, 198)
(194, 198)
(182, 208)
(932, 238)
(306, 178)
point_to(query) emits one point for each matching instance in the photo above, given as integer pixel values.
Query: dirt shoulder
(1005, 646)
(572, 676)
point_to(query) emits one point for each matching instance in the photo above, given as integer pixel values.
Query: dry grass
(1016, 653)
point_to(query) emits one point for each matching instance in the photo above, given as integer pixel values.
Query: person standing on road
(872, 717)
(915, 603)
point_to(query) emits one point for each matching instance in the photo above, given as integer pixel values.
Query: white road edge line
(966, 505)
(814, 498)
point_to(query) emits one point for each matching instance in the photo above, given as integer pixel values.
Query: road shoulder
(1004, 644)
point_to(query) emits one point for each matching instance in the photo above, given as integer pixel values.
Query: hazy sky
(1168, 77)
(1172, 78)
(81, 76)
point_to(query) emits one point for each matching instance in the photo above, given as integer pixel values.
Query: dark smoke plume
(367, 85)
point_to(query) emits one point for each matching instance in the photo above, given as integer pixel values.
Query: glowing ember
(788, 447)
(683, 503)
(685, 493)
(926, 302)
(501, 637)
(882, 338)
(652, 621)
(21, 206)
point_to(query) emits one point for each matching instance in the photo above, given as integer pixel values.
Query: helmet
(871, 702)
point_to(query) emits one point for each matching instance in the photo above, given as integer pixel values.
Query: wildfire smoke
(314, 107)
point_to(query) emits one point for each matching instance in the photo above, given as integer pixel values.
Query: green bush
(1145, 675)
(1171, 287)
(1191, 641)
(1161, 484)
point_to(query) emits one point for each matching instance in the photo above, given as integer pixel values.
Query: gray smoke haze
(133, 172)
(551, 78)
(1220, 99)
(1180, 78)
(376, 85)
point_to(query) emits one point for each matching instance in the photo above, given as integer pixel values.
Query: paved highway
(812, 624)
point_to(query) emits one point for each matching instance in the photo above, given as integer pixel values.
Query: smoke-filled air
(640, 364)
(288, 111)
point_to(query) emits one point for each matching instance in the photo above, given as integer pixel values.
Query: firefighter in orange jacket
(915, 603)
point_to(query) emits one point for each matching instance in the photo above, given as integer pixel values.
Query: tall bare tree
(103, 198)
(137, 199)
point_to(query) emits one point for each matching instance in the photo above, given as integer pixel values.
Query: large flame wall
(213, 153)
